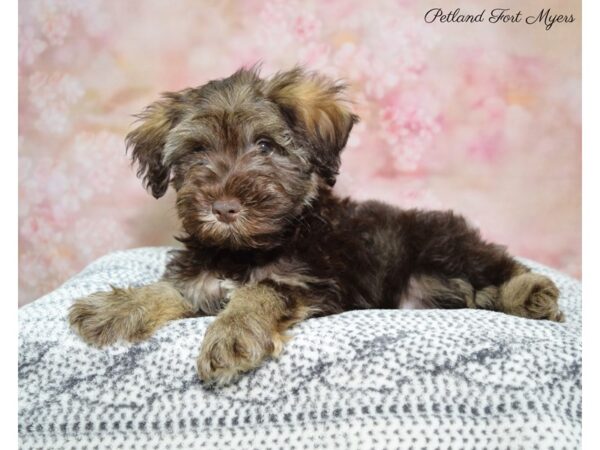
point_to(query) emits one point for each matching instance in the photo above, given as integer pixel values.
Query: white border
(591, 222)
(591, 225)
(9, 223)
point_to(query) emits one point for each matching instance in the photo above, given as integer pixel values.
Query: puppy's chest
(210, 291)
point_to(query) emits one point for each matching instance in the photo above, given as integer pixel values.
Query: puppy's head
(246, 155)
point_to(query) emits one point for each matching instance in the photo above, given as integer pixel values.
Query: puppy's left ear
(148, 140)
(316, 110)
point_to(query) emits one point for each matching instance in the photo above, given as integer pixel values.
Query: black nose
(226, 210)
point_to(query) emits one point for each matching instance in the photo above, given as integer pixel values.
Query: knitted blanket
(381, 379)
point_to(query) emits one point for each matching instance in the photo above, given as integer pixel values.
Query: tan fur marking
(132, 314)
(249, 330)
(531, 295)
(486, 298)
(318, 101)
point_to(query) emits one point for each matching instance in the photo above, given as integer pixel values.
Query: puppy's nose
(226, 210)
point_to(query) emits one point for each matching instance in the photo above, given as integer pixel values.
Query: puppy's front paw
(234, 344)
(132, 314)
(92, 318)
(105, 317)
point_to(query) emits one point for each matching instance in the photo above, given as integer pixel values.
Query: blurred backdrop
(481, 118)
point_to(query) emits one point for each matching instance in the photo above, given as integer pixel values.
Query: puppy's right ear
(147, 141)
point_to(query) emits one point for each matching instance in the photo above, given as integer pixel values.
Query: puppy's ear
(147, 141)
(315, 108)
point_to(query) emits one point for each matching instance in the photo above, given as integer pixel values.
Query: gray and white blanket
(385, 379)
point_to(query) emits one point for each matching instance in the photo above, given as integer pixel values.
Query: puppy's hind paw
(533, 296)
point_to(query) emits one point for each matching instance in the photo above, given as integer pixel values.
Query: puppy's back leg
(453, 267)
(132, 314)
(526, 294)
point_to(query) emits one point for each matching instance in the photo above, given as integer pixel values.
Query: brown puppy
(267, 243)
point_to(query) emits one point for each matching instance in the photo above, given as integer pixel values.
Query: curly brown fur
(132, 314)
(250, 329)
(266, 241)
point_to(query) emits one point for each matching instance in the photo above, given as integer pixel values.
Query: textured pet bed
(363, 379)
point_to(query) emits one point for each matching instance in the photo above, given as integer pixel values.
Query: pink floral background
(484, 119)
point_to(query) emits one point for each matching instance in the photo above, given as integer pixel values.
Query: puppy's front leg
(249, 330)
(132, 314)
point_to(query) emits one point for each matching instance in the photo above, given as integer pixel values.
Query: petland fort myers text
(545, 17)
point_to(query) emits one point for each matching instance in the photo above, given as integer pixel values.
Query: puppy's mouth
(236, 229)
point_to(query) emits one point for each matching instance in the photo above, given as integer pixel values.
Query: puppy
(267, 243)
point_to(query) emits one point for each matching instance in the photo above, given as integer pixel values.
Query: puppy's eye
(198, 149)
(265, 146)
